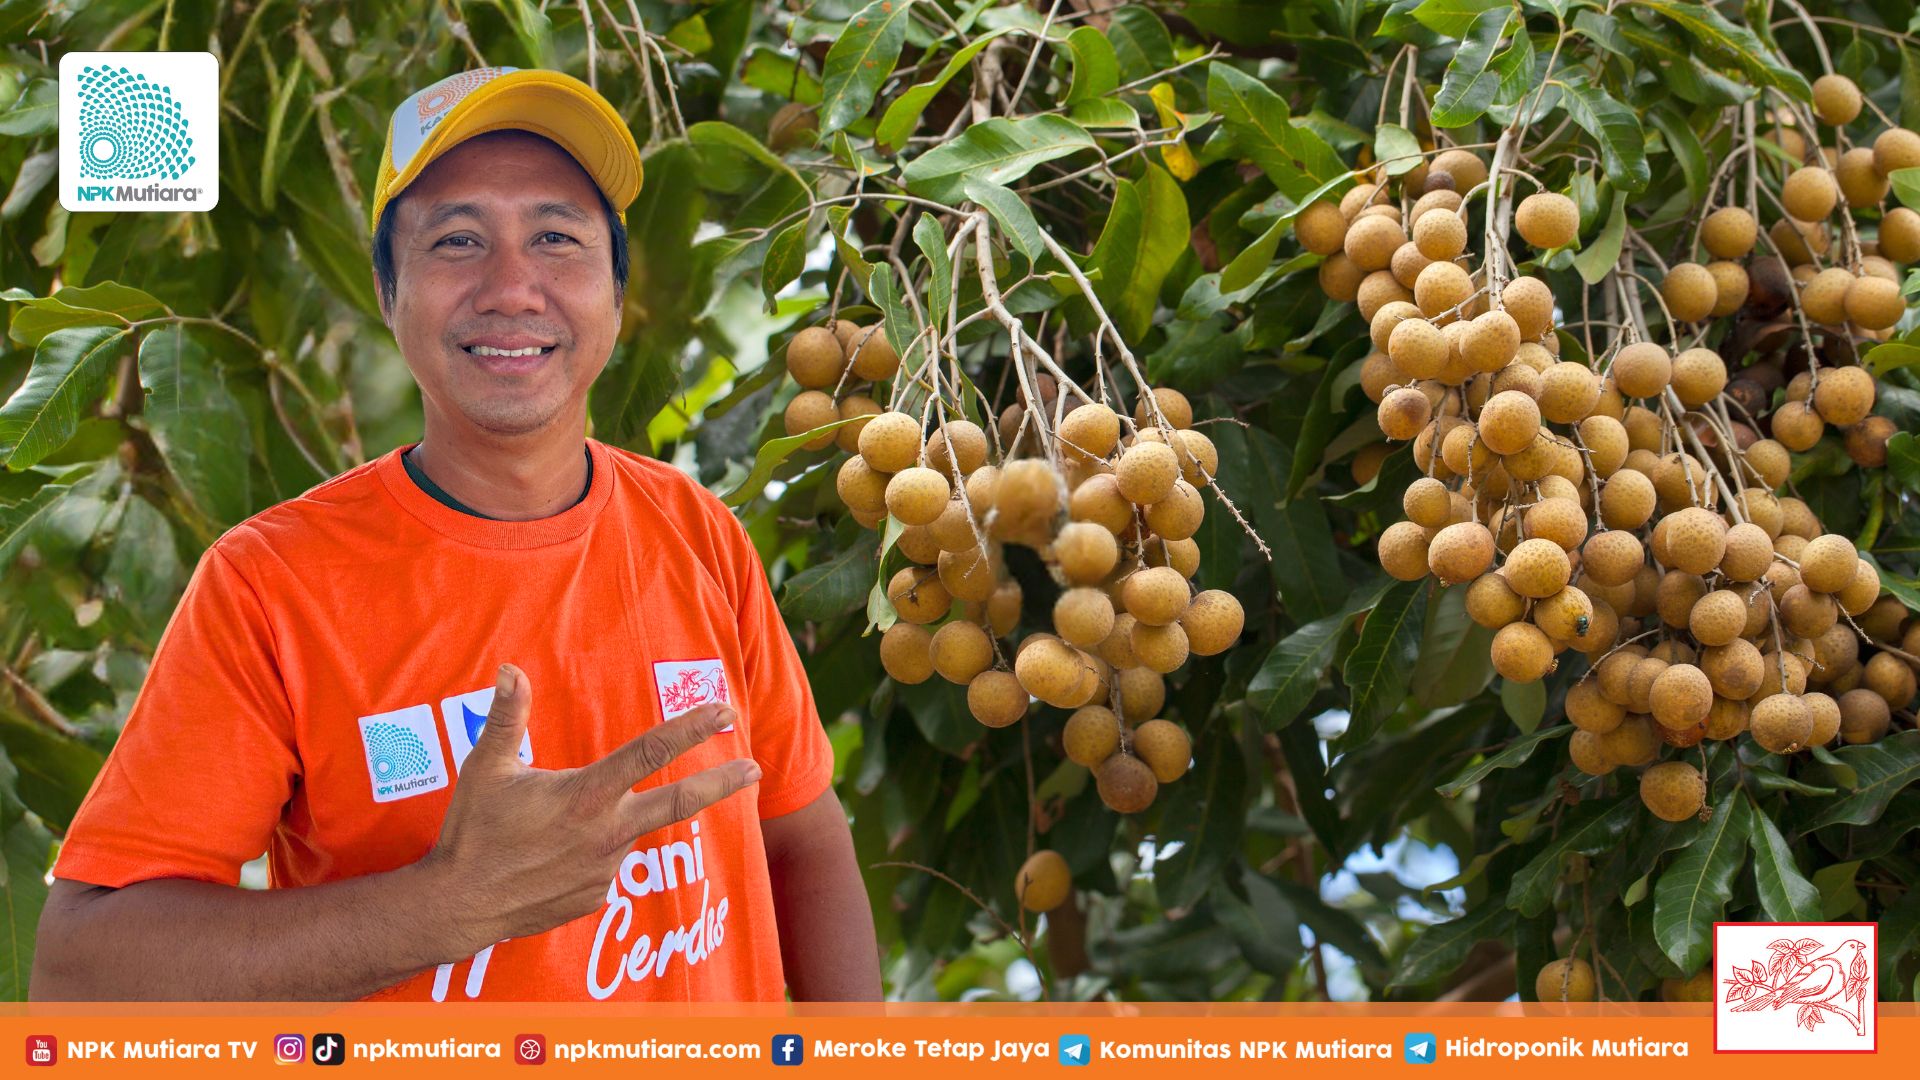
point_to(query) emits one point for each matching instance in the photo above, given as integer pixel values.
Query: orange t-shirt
(320, 684)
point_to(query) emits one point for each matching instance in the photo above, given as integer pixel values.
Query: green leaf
(1440, 949)
(901, 328)
(1883, 769)
(1722, 41)
(200, 429)
(1695, 888)
(1516, 753)
(1096, 68)
(786, 257)
(1453, 18)
(903, 113)
(932, 242)
(860, 60)
(1012, 213)
(1209, 823)
(1291, 672)
(1515, 66)
(997, 151)
(70, 370)
(1889, 355)
(1376, 671)
(1524, 703)
(18, 520)
(1140, 42)
(1296, 159)
(1396, 149)
(27, 851)
(849, 250)
(1623, 146)
(92, 305)
(1254, 466)
(1906, 185)
(783, 76)
(1468, 87)
(1598, 258)
(1146, 231)
(35, 113)
(1587, 828)
(1317, 429)
(771, 454)
(1686, 149)
(1903, 461)
(1455, 661)
(834, 587)
(1785, 895)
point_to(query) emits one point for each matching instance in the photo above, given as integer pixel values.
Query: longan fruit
(873, 355)
(1824, 297)
(1371, 241)
(1896, 148)
(1696, 539)
(1213, 621)
(1690, 292)
(1781, 723)
(1727, 719)
(1829, 562)
(1200, 459)
(1407, 264)
(1900, 235)
(1441, 287)
(1440, 237)
(891, 442)
(1681, 696)
(1490, 341)
(1836, 99)
(1173, 405)
(996, 698)
(961, 650)
(855, 407)
(1403, 414)
(1083, 616)
(1358, 198)
(1856, 597)
(1085, 552)
(1559, 520)
(1052, 670)
(1589, 710)
(968, 448)
(1718, 617)
(1125, 783)
(1675, 596)
(1874, 303)
(1826, 718)
(1339, 278)
(1799, 241)
(1547, 220)
(1182, 555)
(1025, 494)
(1090, 431)
(1614, 674)
(918, 595)
(1147, 472)
(1861, 183)
(1568, 392)
(1043, 882)
(1464, 166)
(1698, 376)
(1587, 754)
(1427, 502)
(1731, 286)
(808, 410)
(1522, 652)
(1091, 736)
(1640, 682)
(1515, 376)
(1509, 421)
(1673, 790)
(1164, 747)
(1729, 233)
(1887, 675)
(1447, 200)
(906, 652)
(1864, 716)
(1417, 348)
(1607, 445)
(1530, 302)
(1404, 551)
(1566, 615)
(1866, 441)
(1635, 742)
(1613, 557)
(1535, 568)
(1642, 370)
(917, 496)
(1464, 550)
(1809, 193)
(969, 574)
(1569, 979)
(1492, 603)
(860, 487)
(1749, 551)
(1155, 596)
(1796, 426)
(1097, 501)
(918, 544)
(815, 359)
(1321, 228)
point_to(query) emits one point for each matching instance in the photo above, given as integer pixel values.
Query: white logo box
(1810, 988)
(134, 126)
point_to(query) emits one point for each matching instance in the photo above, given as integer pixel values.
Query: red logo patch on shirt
(688, 684)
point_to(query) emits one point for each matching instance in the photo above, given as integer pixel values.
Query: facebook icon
(789, 1050)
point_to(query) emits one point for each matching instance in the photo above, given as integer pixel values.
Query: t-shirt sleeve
(791, 746)
(206, 761)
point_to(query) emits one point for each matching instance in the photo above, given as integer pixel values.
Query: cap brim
(546, 103)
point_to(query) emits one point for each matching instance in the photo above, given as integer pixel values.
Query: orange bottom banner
(973, 1040)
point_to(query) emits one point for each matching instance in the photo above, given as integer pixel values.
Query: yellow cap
(558, 106)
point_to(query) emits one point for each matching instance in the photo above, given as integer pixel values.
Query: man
(511, 711)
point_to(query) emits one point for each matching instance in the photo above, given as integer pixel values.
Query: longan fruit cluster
(1112, 514)
(836, 366)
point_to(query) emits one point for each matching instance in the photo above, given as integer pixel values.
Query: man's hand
(530, 848)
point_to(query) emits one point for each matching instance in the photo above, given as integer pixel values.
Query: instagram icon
(289, 1049)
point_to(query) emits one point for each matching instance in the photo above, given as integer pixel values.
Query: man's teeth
(488, 350)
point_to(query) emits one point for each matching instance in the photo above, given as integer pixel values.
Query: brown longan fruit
(1173, 405)
(1681, 696)
(1874, 303)
(1860, 182)
(1882, 621)
(1463, 551)
(1213, 621)
(968, 448)
(970, 574)
(1160, 648)
(1635, 742)
(808, 410)
(815, 359)
(1642, 370)
(1589, 710)
(1142, 693)
(1378, 373)
(1826, 718)
(906, 652)
(1727, 719)
(1673, 790)
(1824, 297)
(1675, 596)
(1559, 520)
(918, 595)
(1404, 551)
(1090, 431)
(1440, 288)
(1509, 421)
(1749, 551)
(1182, 555)
(1729, 233)
(1339, 278)
(1407, 264)
(1866, 441)
(1614, 674)
(1165, 748)
(1547, 220)
(1718, 617)
(1358, 198)
(960, 650)
(1698, 376)
(1178, 516)
(1515, 376)
(873, 355)
(1569, 979)
(1371, 241)
(1900, 235)
(1492, 603)
(996, 698)
(1464, 166)
(1097, 501)
(1607, 445)
(891, 442)
(1797, 520)
(858, 408)
(1434, 199)
(917, 496)
(1440, 237)
(1836, 99)
(1490, 341)
(1731, 286)
(1403, 414)
(1613, 557)
(1125, 783)
(1588, 755)
(1321, 228)
(1083, 616)
(1155, 596)
(1044, 882)
(1417, 348)
(1640, 681)
(1829, 562)
(1568, 391)
(1522, 652)
(1535, 568)
(1200, 459)
(1887, 675)
(1796, 426)
(1091, 736)
(1696, 539)
(1566, 615)
(1864, 716)
(1052, 670)
(1147, 472)
(1809, 193)
(1799, 241)
(1781, 723)
(860, 487)
(1690, 292)
(1896, 148)
(1856, 597)
(1427, 502)
(1085, 552)
(1530, 302)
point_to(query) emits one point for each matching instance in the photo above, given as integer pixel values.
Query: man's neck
(521, 479)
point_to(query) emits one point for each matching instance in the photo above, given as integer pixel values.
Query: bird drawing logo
(1833, 983)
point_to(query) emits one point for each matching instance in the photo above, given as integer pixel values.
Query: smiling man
(512, 712)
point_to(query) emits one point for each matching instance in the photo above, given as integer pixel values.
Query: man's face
(501, 247)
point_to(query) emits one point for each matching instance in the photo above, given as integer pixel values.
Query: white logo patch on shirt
(688, 684)
(403, 753)
(465, 716)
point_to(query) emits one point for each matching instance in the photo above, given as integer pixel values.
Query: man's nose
(512, 282)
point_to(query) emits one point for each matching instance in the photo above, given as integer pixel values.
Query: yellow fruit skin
(1569, 979)
(1044, 882)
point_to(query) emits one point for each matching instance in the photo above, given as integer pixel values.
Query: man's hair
(388, 275)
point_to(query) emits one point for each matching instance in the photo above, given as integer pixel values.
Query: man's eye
(556, 238)
(455, 241)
